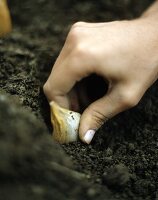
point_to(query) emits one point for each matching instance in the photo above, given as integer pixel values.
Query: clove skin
(65, 124)
(5, 19)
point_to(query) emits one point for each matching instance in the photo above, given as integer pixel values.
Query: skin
(124, 53)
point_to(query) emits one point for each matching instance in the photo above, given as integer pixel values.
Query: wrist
(148, 40)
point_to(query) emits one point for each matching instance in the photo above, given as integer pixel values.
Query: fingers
(74, 63)
(59, 83)
(91, 48)
(69, 68)
(105, 108)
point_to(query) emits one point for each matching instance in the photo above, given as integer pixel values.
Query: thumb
(99, 112)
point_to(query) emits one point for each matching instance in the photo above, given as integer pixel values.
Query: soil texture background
(122, 161)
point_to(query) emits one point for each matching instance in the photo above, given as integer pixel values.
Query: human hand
(125, 53)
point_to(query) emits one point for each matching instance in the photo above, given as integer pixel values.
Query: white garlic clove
(65, 124)
(5, 19)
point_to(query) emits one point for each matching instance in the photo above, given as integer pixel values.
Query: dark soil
(124, 154)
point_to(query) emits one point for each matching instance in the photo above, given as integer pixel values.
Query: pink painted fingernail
(89, 136)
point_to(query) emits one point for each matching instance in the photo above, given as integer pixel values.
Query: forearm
(152, 11)
(148, 25)
(149, 20)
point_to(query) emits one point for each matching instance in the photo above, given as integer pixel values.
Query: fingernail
(89, 136)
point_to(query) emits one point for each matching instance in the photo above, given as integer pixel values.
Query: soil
(122, 161)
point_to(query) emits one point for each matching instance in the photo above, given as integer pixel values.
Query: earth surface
(122, 161)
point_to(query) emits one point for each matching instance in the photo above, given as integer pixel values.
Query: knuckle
(73, 36)
(130, 99)
(80, 58)
(79, 50)
(75, 32)
(46, 88)
(77, 24)
(98, 117)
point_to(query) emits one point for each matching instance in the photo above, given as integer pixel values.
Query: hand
(125, 53)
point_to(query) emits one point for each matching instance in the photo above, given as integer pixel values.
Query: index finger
(67, 70)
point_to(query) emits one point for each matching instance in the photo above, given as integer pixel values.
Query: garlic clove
(65, 123)
(5, 19)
